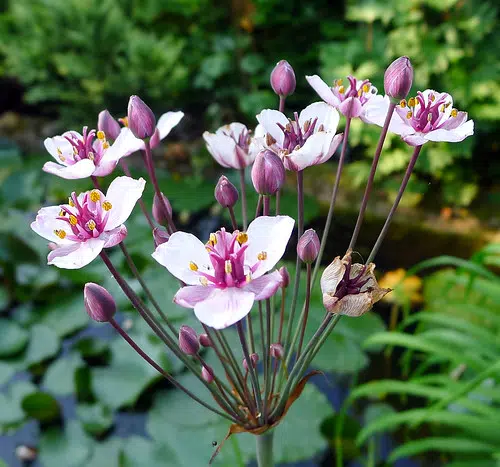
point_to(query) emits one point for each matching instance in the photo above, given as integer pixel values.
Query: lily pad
(96, 419)
(66, 316)
(40, 406)
(11, 412)
(13, 338)
(59, 378)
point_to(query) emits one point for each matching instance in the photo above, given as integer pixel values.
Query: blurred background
(76, 394)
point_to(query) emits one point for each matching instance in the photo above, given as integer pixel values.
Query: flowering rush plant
(232, 278)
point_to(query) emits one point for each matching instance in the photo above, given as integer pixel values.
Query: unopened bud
(141, 119)
(308, 246)
(283, 79)
(207, 374)
(226, 193)
(159, 209)
(398, 79)
(107, 124)
(276, 351)
(285, 276)
(99, 303)
(268, 173)
(254, 358)
(188, 340)
(205, 341)
(160, 236)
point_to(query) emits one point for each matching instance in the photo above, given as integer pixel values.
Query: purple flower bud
(285, 276)
(207, 374)
(107, 124)
(276, 351)
(99, 303)
(308, 246)
(226, 193)
(205, 341)
(398, 79)
(160, 236)
(188, 340)
(268, 173)
(283, 79)
(159, 209)
(141, 119)
(254, 358)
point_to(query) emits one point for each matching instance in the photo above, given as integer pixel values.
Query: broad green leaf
(96, 419)
(40, 406)
(140, 451)
(11, 412)
(44, 344)
(13, 338)
(107, 453)
(66, 316)
(59, 378)
(6, 372)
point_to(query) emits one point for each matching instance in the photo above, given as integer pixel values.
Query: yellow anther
(242, 238)
(60, 233)
(412, 101)
(91, 155)
(193, 266)
(454, 112)
(59, 151)
(360, 92)
(62, 213)
(442, 108)
(71, 203)
(338, 82)
(105, 145)
(403, 104)
(248, 277)
(307, 124)
(432, 97)
(212, 239)
(62, 158)
(203, 281)
(228, 267)
(107, 205)
(124, 121)
(365, 88)
(100, 135)
(95, 196)
(262, 256)
(73, 220)
(409, 114)
(341, 89)
(429, 117)
(91, 224)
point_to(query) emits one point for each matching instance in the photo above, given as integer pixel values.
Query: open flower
(429, 116)
(227, 274)
(350, 289)
(231, 146)
(82, 155)
(353, 101)
(308, 140)
(91, 221)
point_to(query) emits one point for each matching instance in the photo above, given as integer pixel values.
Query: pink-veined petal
(81, 169)
(76, 256)
(46, 222)
(316, 148)
(351, 107)
(453, 135)
(224, 307)
(454, 122)
(190, 295)
(167, 121)
(115, 236)
(264, 286)
(324, 91)
(269, 119)
(269, 235)
(326, 116)
(179, 252)
(123, 194)
(104, 168)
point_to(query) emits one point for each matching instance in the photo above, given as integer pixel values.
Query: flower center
(351, 285)
(86, 217)
(363, 90)
(295, 135)
(242, 139)
(91, 145)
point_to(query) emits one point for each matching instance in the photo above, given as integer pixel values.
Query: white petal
(269, 119)
(61, 143)
(46, 222)
(224, 307)
(269, 235)
(190, 295)
(326, 115)
(124, 145)
(454, 135)
(115, 236)
(316, 148)
(77, 255)
(234, 128)
(81, 169)
(179, 252)
(123, 194)
(104, 168)
(324, 91)
(332, 275)
(222, 148)
(415, 139)
(167, 121)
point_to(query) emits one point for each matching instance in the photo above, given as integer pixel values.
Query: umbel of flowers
(229, 277)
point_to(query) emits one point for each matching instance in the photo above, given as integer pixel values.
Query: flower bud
(254, 358)
(276, 351)
(308, 246)
(141, 119)
(268, 173)
(107, 124)
(398, 79)
(283, 79)
(226, 193)
(207, 374)
(160, 236)
(159, 209)
(285, 276)
(205, 341)
(188, 340)
(99, 303)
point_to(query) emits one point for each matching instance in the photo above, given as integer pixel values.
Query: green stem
(265, 449)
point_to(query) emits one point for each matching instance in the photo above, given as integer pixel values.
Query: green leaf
(96, 419)
(11, 412)
(139, 451)
(44, 344)
(6, 372)
(13, 338)
(41, 406)
(107, 453)
(66, 316)
(59, 378)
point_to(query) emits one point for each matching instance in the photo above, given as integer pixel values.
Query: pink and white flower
(429, 116)
(352, 102)
(231, 146)
(91, 221)
(227, 274)
(308, 140)
(82, 155)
